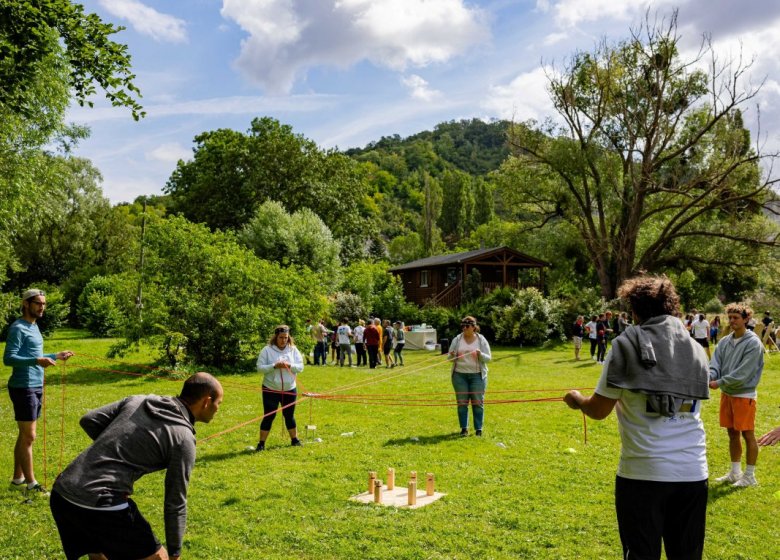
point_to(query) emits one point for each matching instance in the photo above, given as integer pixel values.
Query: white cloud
(419, 88)
(147, 20)
(170, 152)
(525, 97)
(286, 38)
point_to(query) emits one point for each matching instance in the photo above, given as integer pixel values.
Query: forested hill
(473, 146)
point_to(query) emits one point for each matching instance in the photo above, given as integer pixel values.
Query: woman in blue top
(281, 362)
(470, 353)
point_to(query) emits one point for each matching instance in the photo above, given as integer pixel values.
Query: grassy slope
(528, 500)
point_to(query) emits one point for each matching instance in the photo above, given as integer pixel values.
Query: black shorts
(120, 535)
(704, 342)
(649, 512)
(27, 403)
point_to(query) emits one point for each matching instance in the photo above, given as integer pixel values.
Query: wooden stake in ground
(412, 499)
(429, 484)
(391, 479)
(371, 480)
(377, 491)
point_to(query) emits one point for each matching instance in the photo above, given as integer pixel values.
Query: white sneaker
(745, 481)
(731, 477)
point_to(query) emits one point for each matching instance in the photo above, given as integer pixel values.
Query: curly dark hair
(650, 296)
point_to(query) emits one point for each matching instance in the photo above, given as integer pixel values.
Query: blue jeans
(320, 353)
(470, 387)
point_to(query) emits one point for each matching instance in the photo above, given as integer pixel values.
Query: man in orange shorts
(735, 369)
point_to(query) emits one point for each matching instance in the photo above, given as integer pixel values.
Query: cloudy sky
(346, 72)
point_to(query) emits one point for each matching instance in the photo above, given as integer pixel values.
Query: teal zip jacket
(22, 349)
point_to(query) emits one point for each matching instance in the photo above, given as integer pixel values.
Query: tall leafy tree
(429, 231)
(652, 164)
(232, 173)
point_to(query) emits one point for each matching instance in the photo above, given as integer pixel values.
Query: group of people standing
(599, 330)
(656, 376)
(370, 342)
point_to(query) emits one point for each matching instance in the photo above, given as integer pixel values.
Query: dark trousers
(271, 401)
(373, 356)
(360, 350)
(320, 353)
(593, 345)
(602, 344)
(649, 512)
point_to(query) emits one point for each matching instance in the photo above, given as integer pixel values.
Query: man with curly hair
(735, 369)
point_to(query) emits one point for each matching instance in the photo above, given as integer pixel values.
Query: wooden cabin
(440, 278)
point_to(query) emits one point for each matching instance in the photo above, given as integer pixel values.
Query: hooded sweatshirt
(279, 379)
(660, 360)
(737, 364)
(133, 437)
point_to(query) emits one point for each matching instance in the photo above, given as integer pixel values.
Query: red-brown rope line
(413, 395)
(63, 373)
(43, 413)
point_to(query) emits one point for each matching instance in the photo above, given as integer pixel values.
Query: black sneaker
(295, 442)
(260, 446)
(37, 491)
(478, 433)
(464, 432)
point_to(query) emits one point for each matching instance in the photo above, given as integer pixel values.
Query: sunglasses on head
(281, 330)
(468, 324)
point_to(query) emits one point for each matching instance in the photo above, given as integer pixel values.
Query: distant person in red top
(371, 339)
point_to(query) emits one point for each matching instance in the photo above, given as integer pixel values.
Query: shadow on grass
(718, 491)
(422, 440)
(205, 457)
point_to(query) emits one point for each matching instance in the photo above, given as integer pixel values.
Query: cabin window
(423, 278)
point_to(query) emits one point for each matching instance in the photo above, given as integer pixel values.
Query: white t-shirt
(593, 328)
(343, 332)
(656, 447)
(467, 361)
(701, 329)
(358, 332)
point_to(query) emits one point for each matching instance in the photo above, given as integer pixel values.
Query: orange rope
(43, 406)
(62, 415)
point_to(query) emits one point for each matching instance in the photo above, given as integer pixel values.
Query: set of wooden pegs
(375, 485)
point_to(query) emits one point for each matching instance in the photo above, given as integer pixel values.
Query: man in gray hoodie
(90, 500)
(735, 369)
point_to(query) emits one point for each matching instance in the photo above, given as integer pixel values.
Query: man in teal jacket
(24, 353)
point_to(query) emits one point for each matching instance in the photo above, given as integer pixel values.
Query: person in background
(602, 333)
(700, 330)
(372, 338)
(577, 331)
(142, 434)
(715, 329)
(655, 377)
(400, 341)
(309, 332)
(388, 336)
(344, 334)
(470, 353)
(591, 328)
(735, 369)
(24, 354)
(360, 346)
(320, 334)
(622, 323)
(280, 362)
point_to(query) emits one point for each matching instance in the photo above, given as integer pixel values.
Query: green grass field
(525, 498)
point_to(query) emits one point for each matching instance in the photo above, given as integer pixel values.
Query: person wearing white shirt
(700, 329)
(280, 362)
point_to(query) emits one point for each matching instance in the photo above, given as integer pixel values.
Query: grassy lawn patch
(514, 493)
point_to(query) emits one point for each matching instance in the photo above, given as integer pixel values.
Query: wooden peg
(371, 480)
(412, 497)
(391, 479)
(429, 483)
(377, 491)
(413, 476)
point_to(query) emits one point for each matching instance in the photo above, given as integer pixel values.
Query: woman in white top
(469, 353)
(281, 362)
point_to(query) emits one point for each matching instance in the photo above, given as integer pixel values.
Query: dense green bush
(211, 302)
(105, 305)
(713, 306)
(530, 319)
(54, 317)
